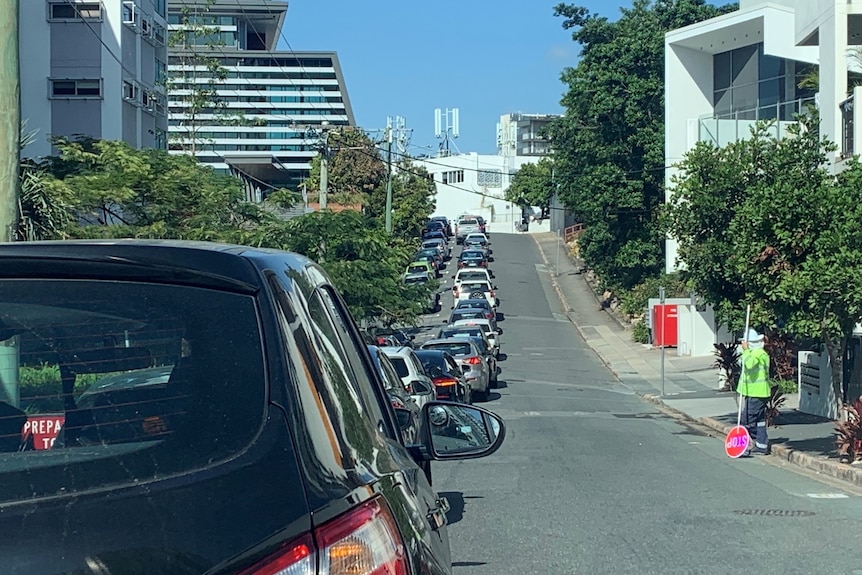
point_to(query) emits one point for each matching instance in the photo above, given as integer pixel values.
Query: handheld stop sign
(736, 442)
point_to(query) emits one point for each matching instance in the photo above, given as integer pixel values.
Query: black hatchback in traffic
(185, 408)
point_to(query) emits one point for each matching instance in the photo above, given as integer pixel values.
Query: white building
(94, 69)
(723, 74)
(475, 184)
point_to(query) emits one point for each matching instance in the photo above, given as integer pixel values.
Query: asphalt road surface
(592, 480)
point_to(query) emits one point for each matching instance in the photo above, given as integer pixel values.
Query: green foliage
(785, 385)
(609, 161)
(532, 185)
(763, 222)
(365, 263)
(355, 169)
(635, 300)
(640, 332)
(413, 192)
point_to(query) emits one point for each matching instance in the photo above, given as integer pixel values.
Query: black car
(472, 259)
(185, 408)
(446, 373)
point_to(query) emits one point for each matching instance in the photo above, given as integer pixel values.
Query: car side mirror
(459, 431)
(420, 387)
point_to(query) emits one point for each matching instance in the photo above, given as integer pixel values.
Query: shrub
(640, 332)
(634, 301)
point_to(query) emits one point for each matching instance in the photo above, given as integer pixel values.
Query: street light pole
(661, 298)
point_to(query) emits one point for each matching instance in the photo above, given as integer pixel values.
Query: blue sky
(408, 57)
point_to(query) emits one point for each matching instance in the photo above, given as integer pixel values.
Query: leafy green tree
(609, 143)
(355, 168)
(109, 189)
(532, 185)
(365, 263)
(413, 192)
(791, 234)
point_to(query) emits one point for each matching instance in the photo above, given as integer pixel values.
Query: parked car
(399, 395)
(474, 304)
(478, 241)
(466, 226)
(272, 445)
(472, 361)
(493, 335)
(432, 256)
(447, 375)
(421, 266)
(446, 222)
(421, 279)
(439, 245)
(472, 259)
(412, 374)
(472, 288)
(398, 337)
(470, 327)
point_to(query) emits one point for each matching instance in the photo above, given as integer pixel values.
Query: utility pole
(389, 177)
(10, 160)
(324, 165)
(10, 119)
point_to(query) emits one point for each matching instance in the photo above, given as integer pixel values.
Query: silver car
(476, 370)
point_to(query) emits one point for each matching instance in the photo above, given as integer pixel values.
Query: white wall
(35, 48)
(468, 196)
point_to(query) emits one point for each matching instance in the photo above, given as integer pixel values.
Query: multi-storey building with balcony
(94, 69)
(523, 134)
(266, 104)
(723, 74)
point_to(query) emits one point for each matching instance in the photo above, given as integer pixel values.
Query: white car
(468, 274)
(492, 335)
(471, 286)
(409, 369)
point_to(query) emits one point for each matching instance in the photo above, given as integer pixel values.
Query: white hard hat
(753, 337)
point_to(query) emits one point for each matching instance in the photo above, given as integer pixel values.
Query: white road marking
(828, 495)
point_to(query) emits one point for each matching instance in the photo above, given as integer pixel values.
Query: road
(592, 480)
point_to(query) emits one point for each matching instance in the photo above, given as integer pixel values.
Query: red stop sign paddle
(736, 442)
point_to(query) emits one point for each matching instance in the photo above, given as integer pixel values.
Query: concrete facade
(94, 69)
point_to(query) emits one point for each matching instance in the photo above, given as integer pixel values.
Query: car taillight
(473, 360)
(445, 381)
(484, 264)
(408, 387)
(489, 315)
(364, 541)
(397, 403)
(492, 293)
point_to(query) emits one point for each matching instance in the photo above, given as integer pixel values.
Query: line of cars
(460, 362)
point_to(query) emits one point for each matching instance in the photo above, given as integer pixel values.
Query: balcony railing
(722, 129)
(847, 127)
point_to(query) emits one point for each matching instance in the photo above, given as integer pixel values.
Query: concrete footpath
(690, 384)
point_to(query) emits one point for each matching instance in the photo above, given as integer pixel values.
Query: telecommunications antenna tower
(446, 126)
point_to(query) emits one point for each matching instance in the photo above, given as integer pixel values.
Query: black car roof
(207, 264)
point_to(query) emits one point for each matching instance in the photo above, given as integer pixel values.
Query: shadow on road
(502, 384)
(502, 357)
(468, 563)
(492, 397)
(456, 505)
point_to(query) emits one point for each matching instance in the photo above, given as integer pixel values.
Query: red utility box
(665, 325)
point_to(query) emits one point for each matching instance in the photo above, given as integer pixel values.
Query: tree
(792, 241)
(109, 189)
(355, 168)
(364, 262)
(533, 185)
(609, 143)
(413, 192)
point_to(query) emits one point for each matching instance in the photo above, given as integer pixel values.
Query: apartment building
(268, 105)
(95, 69)
(723, 74)
(523, 134)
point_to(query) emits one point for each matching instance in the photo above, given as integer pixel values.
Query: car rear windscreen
(399, 365)
(122, 382)
(454, 348)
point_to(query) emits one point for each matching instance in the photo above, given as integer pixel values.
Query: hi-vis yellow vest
(754, 379)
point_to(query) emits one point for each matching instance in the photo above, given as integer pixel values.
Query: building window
(130, 91)
(161, 7)
(66, 11)
(80, 88)
(453, 177)
(491, 178)
(161, 73)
